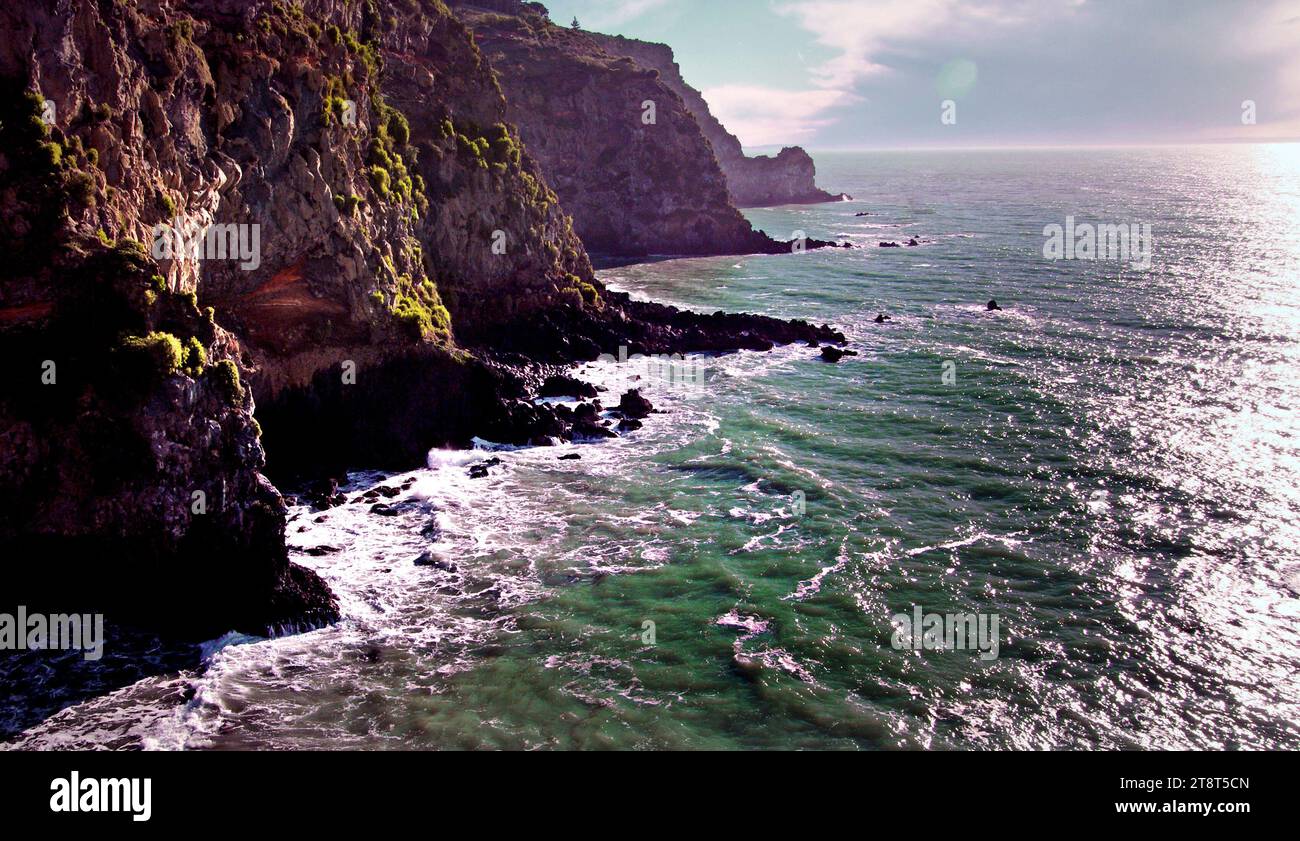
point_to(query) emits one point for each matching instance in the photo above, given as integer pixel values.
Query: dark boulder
(324, 493)
(560, 385)
(480, 470)
(633, 405)
(834, 354)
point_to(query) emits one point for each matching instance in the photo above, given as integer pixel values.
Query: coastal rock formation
(760, 181)
(390, 272)
(367, 233)
(622, 150)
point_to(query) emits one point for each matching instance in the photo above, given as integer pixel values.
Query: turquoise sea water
(1112, 468)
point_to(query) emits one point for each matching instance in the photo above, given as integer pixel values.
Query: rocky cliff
(761, 181)
(129, 128)
(623, 151)
(314, 212)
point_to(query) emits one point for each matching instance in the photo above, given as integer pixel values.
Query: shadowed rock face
(637, 183)
(416, 280)
(761, 181)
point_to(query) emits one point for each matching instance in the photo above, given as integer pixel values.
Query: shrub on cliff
(586, 293)
(80, 188)
(398, 128)
(504, 148)
(196, 358)
(348, 204)
(142, 361)
(226, 376)
(43, 175)
(380, 180)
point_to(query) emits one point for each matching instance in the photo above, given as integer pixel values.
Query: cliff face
(622, 150)
(762, 181)
(389, 204)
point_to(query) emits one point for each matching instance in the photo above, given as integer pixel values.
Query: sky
(853, 74)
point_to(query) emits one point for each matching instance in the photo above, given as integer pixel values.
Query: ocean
(1109, 465)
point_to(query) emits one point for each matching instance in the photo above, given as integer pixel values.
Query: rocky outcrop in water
(759, 181)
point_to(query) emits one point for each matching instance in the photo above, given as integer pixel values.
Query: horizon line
(764, 148)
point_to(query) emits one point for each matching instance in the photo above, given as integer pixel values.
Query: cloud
(1053, 70)
(763, 116)
(864, 36)
(862, 39)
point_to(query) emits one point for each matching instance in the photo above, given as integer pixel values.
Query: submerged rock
(429, 559)
(482, 469)
(834, 354)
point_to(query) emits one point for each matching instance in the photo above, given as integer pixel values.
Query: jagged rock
(559, 385)
(633, 405)
(587, 423)
(324, 493)
(570, 457)
(482, 469)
